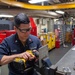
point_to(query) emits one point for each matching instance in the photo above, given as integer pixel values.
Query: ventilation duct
(54, 1)
(26, 1)
(64, 1)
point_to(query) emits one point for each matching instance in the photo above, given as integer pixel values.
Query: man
(15, 46)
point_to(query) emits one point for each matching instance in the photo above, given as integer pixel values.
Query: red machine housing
(73, 37)
(6, 33)
(34, 27)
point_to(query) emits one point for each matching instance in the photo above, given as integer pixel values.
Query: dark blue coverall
(12, 45)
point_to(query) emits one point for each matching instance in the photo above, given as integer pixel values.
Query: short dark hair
(21, 18)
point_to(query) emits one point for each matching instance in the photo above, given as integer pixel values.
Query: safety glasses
(24, 30)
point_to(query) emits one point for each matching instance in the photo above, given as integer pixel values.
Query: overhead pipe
(54, 1)
(38, 7)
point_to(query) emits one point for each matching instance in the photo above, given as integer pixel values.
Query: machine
(44, 62)
(45, 67)
(21, 64)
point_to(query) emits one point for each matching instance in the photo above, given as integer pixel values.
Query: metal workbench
(68, 60)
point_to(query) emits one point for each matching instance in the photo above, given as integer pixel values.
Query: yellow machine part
(51, 40)
(21, 59)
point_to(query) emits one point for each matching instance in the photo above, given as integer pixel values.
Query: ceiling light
(36, 1)
(60, 12)
(9, 16)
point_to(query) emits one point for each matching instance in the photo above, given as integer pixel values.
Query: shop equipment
(51, 40)
(73, 37)
(2, 36)
(21, 64)
(65, 66)
(43, 38)
(44, 61)
(57, 43)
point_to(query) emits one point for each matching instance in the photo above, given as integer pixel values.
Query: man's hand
(27, 56)
(36, 53)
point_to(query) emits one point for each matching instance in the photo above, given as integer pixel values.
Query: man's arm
(7, 59)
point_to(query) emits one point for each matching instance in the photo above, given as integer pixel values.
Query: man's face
(23, 31)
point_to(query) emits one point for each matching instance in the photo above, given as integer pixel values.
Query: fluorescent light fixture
(52, 13)
(9, 16)
(36, 1)
(55, 20)
(60, 12)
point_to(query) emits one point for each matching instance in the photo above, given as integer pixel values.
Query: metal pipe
(38, 7)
